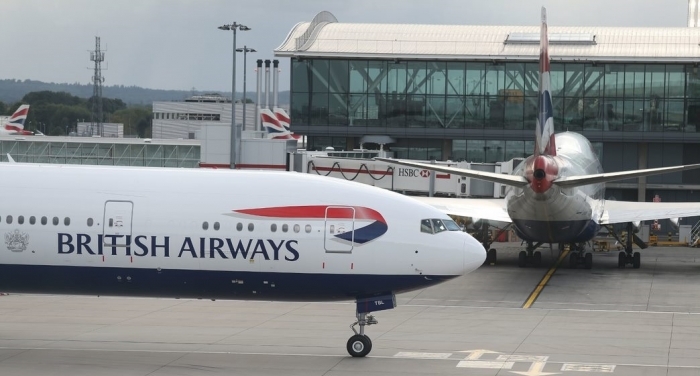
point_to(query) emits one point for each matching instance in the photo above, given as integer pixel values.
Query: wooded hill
(13, 90)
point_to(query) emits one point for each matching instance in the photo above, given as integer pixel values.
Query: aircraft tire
(537, 258)
(573, 260)
(637, 260)
(588, 260)
(621, 259)
(359, 346)
(522, 259)
(491, 257)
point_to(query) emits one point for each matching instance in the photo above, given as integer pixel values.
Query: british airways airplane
(215, 234)
(15, 124)
(557, 194)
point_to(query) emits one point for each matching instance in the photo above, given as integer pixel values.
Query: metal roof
(327, 38)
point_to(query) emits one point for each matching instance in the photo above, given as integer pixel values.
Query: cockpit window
(425, 226)
(451, 225)
(434, 225)
(438, 226)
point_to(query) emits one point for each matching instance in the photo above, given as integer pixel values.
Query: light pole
(235, 131)
(245, 51)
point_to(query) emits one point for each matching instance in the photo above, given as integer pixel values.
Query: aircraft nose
(474, 254)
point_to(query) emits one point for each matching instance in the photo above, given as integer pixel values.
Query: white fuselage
(212, 234)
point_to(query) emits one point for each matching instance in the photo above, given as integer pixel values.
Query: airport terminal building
(470, 92)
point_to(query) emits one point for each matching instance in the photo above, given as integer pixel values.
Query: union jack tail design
(544, 141)
(277, 124)
(16, 121)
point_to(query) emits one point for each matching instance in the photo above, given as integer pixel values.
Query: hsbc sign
(413, 172)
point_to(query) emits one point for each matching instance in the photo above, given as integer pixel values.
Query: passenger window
(32, 220)
(285, 228)
(438, 226)
(205, 225)
(20, 219)
(297, 228)
(273, 227)
(251, 227)
(89, 222)
(425, 226)
(66, 221)
(55, 221)
(44, 220)
(216, 226)
(239, 226)
(9, 219)
(308, 229)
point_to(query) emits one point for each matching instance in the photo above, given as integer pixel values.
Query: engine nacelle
(675, 222)
(636, 225)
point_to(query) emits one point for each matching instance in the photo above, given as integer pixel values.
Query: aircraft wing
(577, 181)
(630, 211)
(491, 209)
(512, 180)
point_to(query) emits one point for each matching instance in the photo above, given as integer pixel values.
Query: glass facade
(502, 95)
(486, 111)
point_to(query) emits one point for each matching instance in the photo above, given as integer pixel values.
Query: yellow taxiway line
(538, 289)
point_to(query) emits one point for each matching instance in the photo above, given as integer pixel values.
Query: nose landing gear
(359, 345)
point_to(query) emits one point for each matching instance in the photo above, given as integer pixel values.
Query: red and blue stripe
(362, 235)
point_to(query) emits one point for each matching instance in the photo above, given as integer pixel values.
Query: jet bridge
(359, 166)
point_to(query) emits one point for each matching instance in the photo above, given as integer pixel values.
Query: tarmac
(602, 321)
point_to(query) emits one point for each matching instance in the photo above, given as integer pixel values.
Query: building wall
(182, 120)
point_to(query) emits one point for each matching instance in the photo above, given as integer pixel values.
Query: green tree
(109, 105)
(41, 97)
(136, 120)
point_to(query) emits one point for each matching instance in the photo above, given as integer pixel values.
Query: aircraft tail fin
(277, 124)
(16, 121)
(544, 140)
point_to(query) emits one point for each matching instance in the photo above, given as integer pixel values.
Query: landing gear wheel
(588, 260)
(537, 259)
(621, 259)
(359, 346)
(522, 259)
(573, 260)
(637, 260)
(491, 257)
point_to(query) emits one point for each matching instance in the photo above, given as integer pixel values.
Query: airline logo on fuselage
(368, 224)
(162, 246)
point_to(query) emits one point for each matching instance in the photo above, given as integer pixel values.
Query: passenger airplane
(214, 234)
(557, 194)
(15, 124)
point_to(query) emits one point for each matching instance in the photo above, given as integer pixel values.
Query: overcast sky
(175, 44)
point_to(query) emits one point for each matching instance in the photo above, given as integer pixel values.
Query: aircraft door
(117, 223)
(339, 229)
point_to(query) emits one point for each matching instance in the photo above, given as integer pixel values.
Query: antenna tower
(98, 57)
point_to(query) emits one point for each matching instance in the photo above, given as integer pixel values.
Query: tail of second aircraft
(16, 122)
(544, 141)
